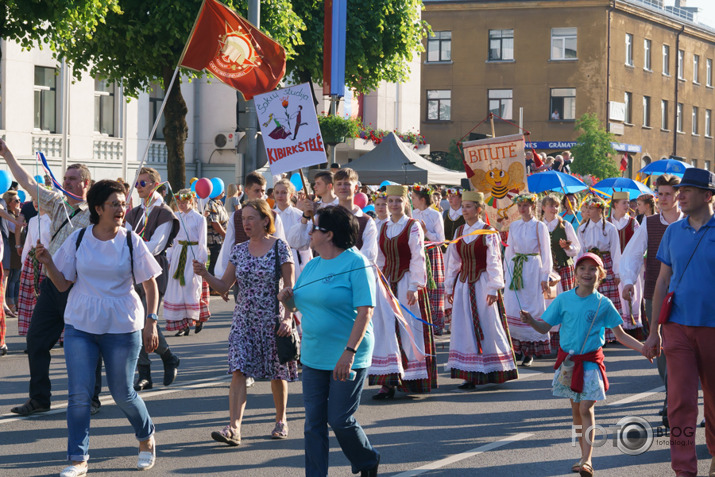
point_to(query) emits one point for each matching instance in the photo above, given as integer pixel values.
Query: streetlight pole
(250, 159)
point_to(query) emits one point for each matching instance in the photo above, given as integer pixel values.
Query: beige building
(644, 69)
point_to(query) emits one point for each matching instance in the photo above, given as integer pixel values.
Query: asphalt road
(517, 428)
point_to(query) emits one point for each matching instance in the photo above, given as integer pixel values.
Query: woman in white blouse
(104, 315)
(528, 263)
(479, 349)
(283, 191)
(405, 361)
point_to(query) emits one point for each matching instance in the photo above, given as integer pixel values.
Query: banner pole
(153, 130)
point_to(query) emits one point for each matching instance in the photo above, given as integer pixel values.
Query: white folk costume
(434, 225)
(563, 262)
(602, 239)
(630, 311)
(396, 359)
(291, 216)
(528, 262)
(480, 347)
(182, 302)
(452, 221)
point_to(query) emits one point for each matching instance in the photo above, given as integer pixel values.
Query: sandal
(576, 468)
(30, 407)
(228, 436)
(280, 431)
(586, 470)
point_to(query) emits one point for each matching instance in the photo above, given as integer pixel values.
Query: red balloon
(204, 187)
(360, 200)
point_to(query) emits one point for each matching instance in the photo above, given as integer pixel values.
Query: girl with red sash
(404, 353)
(480, 347)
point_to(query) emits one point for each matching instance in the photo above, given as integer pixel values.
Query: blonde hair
(231, 190)
(264, 210)
(287, 184)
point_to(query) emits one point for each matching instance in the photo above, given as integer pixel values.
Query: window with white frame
(563, 43)
(46, 99)
(500, 103)
(696, 68)
(439, 105)
(439, 46)
(156, 96)
(679, 118)
(646, 111)
(694, 163)
(501, 45)
(646, 54)
(696, 112)
(666, 60)
(664, 114)
(709, 72)
(628, 101)
(563, 104)
(708, 123)
(681, 62)
(105, 95)
(707, 165)
(629, 49)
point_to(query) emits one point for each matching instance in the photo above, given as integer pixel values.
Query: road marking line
(464, 455)
(637, 397)
(62, 406)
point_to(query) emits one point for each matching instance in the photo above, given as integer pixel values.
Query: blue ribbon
(55, 182)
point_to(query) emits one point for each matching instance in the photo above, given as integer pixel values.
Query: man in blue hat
(687, 256)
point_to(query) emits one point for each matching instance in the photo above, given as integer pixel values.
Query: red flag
(234, 51)
(624, 163)
(537, 158)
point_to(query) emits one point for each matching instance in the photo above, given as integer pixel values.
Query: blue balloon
(40, 180)
(218, 186)
(369, 208)
(296, 181)
(193, 187)
(5, 181)
(21, 195)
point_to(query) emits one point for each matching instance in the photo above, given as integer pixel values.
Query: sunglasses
(322, 229)
(187, 196)
(142, 184)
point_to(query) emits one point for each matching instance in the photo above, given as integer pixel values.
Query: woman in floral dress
(252, 339)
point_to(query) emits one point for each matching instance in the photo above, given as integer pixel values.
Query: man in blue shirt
(687, 255)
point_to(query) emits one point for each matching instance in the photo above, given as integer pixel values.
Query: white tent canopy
(396, 161)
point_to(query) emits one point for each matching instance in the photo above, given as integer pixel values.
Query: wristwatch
(152, 316)
(352, 350)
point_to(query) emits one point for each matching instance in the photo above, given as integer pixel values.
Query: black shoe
(199, 326)
(143, 384)
(3, 350)
(666, 423)
(94, 408)
(528, 360)
(170, 368)
(371, 472)
(383, 395)
(518, 356)
(183, 332)
(467, 385)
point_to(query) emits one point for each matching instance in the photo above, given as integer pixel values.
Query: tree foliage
(382, 37)
(593, 152)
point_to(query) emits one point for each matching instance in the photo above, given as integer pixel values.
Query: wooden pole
(491, 121)
(305, 187)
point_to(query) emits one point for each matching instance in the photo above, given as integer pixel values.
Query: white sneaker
(250, 382)
(147, 459)
(74, 471)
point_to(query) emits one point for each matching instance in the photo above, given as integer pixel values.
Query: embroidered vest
(362, 223)
(626, 233)
(473, 255)
(561, 259)
(656, 229)
(451, 226)
(396, 251)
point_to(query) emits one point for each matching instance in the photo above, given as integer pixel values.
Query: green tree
(382, 37)
(143, 44)
(593, 152)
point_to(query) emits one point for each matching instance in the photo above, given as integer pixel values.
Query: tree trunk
(175, 132)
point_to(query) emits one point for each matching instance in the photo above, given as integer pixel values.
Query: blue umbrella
(623, 184)
(556, 181)
(666, 166)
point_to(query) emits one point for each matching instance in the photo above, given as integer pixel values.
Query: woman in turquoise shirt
(336, 295)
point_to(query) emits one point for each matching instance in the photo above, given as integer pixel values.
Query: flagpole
(167, 91)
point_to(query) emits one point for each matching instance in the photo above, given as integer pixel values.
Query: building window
(104, 101)
(708, 123)
(156, 96)
(646, 111)
(709, 72)
(666, 60)
(695, 119)
(439, 105)
(563, 43)
(694, 163)
(646, 55)
(501, 45)
(629, 49)
(696, 68)
(679, 118)
(500, 103)
(46, 99)
(707, 165)
(664, 114)
(439, 46)
(681, 60)
(628, 101)
(563, 103)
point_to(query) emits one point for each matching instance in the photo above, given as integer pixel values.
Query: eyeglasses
(116, 204)
(142, 184)
(322, 229)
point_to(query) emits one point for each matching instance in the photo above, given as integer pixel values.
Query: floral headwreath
(595, 201)
(453, 191)
(525, 197)
(379, 195)
(422, 188)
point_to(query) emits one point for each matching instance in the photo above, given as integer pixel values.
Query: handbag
(667, 306)
(287, 347)
(566, 368)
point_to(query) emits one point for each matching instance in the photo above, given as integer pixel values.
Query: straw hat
(473, 196)
(399, 190)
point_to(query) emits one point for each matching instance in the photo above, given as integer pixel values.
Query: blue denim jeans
(328, 401)
(120, 352)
